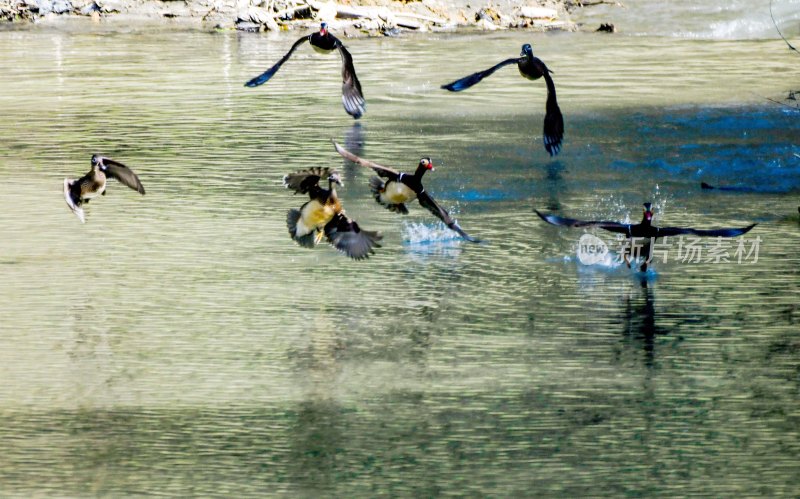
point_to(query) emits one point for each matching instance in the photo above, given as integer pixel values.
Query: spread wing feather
(730, 232)
(428, 202)
(352, 96)
(553, 119)
(468, 81)
(382, 171)
(122, 173)
(266, 75)
(572, 222)
(303, 180)
(346, 236)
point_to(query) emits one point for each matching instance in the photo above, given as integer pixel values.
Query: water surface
(180, 343)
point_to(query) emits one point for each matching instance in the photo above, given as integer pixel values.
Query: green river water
(180, 343)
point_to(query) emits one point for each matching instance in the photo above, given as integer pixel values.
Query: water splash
(425, 240)
(609, 263)
(660, 202)
(417, 233)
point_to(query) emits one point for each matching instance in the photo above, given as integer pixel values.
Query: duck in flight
(531, 68)
(79, 192)
(323, 215)
(401, 188)
(644, 230)
(323, 41)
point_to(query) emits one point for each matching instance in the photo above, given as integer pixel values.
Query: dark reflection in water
(639, 319)
(354, 140)
(556, 186)
(318, 446)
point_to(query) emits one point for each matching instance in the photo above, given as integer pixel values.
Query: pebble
(61, 6)
(248, 26)
(44, 6)
(538, 12)
(88, 9)
(368, 17)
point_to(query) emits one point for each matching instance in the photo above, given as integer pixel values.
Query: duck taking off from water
(531, 68)
(644, 230)
(323, 215)
(323, 41)
(79, 192)
(401, 188)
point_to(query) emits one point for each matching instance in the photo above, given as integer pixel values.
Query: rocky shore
(349, 18)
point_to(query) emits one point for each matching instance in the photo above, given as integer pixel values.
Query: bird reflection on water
(639, 320)
(555, 185)
(354, 140)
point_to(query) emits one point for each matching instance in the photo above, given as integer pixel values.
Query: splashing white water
(422, 241)
(421, 234)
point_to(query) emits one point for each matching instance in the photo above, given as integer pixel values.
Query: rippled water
(709, 19)
(179, 343)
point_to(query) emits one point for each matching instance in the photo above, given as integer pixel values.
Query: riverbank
(350, 19)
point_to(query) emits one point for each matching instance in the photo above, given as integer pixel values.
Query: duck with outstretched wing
(80, 191)
(401, 188)
(532, 68)
(643, 230)
(323, 215)
(324, 42)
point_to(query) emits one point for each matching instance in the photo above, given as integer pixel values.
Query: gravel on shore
(348, 18)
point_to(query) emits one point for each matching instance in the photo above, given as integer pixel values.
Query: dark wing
(467, 81)
(731, 188)
(572, 222)
(122, 173)
(266, 75)
(352, 98)
(382, 171)
(346, 236)
(676, 231)
(428, 202)
(302, 181)
(553, 120)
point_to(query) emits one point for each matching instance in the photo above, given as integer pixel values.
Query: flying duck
(324, 42)
(401, 188)
(531, 68)
(79, 192)
(323, 215)
(644, 229)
